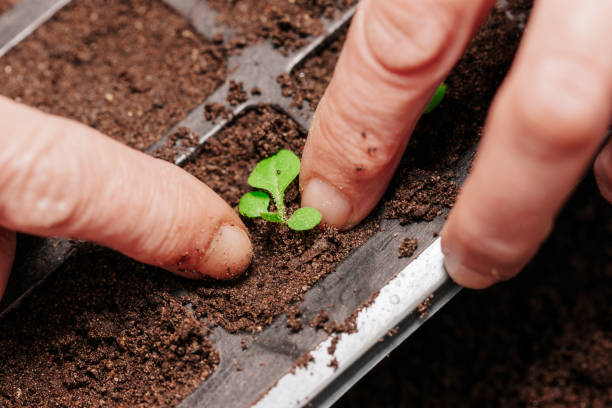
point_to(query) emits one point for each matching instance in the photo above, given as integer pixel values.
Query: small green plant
(437, 98)
(274, 175)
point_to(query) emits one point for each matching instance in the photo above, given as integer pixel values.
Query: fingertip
(229, 255)
(330, 201)
(460, 263)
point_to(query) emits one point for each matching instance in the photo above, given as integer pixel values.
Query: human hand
(544, 127)
(61, 178)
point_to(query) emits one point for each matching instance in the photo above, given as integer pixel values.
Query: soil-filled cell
(130, 69)
(288, 24)
(103, 331)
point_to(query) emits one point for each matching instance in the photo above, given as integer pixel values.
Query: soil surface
(7, 4)
(288, 23)
(285, 263)
(307, 82)
(103, 320)
(130, 69)
(103, 331)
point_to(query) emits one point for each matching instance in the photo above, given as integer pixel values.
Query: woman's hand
(61, 178)
(545, 126)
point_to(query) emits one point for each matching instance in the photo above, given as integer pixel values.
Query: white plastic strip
(396, 300)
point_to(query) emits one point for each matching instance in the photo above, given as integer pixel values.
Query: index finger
(395, 56)
(59, 177)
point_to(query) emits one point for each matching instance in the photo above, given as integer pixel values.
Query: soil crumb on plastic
(407, 247)
(302, 362)
(213, 110)
(236, 93)
(424, 306)
(333, 363)
(130, 69)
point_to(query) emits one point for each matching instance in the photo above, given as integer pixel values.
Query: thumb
(58, 177)
(396, 54)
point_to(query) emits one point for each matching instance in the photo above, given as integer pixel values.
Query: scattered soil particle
(348, 326)
(244, 344)
(130, 69)
(285, 264)
(288, 24)
(319, 320)
(407, 247)
(103, 331)
(307, 82)
(236, 93)
(333, 363)
(302, 362)
(214, 110)
(293, 321)
(392, 332)
(256, 91)
(6, 5)
(424, 306)
(332, 347)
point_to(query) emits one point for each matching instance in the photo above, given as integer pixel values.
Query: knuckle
(39, 189)
(561, 104)
(409, 37)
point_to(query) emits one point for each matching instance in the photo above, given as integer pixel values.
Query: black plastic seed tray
(374, 268)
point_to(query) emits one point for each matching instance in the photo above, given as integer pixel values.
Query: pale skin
(545, 128)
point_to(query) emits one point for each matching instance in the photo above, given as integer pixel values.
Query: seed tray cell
(373, 274)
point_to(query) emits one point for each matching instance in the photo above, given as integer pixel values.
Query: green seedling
(274, 175)
(437, 98)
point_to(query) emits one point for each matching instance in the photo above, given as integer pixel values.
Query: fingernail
(229, 254)
(333, 205)
(462, 274)
(467, 277)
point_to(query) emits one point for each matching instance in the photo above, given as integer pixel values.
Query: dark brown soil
(407, 247)
(285, 264)
(236, 94)
(7, 4)
(541, 339)
(307, 82)
(130, 69)
(287, 23)
(104, 331)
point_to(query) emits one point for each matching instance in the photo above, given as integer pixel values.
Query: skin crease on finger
(143, 207)
(545, 125)
(363, 122)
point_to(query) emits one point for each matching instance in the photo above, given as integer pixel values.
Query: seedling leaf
(304, 218)
(275, 173)
(272, 217)
(253, 204)
(437, 98)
